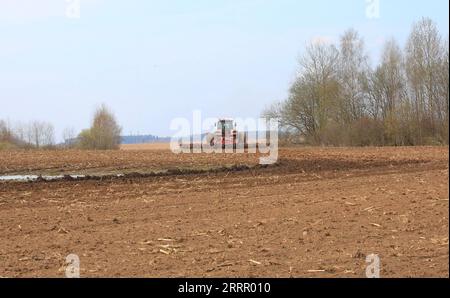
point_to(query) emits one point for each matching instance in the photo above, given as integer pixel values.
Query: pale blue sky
(151, 61)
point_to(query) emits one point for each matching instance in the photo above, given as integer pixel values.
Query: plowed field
(317, 213)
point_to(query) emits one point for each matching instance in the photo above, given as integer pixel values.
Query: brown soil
(317, 213)
(149, 146)
(44, 162)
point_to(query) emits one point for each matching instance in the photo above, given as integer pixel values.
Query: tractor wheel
(242, 140)
(210, 139)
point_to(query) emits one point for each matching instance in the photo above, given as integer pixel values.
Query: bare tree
(41, 134)
(424, 58)
(313, 96)
(338, 99)
(6, 134)
(388, 102)
(443, 92)
(353, 76)
(36, 130)
(48, 134)
(104, 132)
(69, 135)
(20, 131)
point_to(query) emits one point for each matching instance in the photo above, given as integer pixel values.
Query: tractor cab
(225, 131)
(225, 125)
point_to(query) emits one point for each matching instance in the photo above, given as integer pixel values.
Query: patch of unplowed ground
(317, 213)
(80, 162)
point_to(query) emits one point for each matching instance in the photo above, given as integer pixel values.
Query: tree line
(338, 99)
(103, 134)
(35, 134)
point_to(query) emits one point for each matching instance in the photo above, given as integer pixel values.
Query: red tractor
(226, 134)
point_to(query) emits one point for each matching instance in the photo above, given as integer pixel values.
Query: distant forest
(140, 139)
(339, 99)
